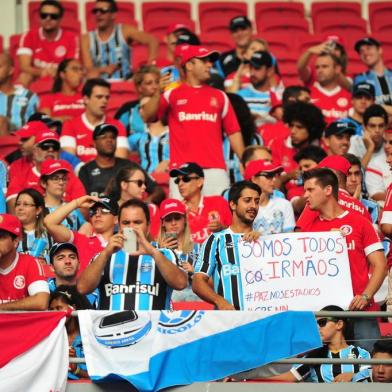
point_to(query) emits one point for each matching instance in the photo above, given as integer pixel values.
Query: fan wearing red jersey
(196, 115)
(22, 282)
(326, 93)
(41, 50)
(77, 133)
(365, 250)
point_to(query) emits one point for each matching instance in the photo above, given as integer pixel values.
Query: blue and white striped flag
(155, 350)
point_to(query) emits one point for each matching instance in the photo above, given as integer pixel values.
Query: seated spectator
(206, 214)
(64, 258)
(67, 299)
(102, 217)
(77, 133)
(45, 145)
(335, 333)
(42, 50)
(54, 179)
(16, 102)
(382, 350)
(22, 284)
(337, 137)
(153, 284)
(174, 234)
(332, 45)
(326, 92)
(106, 51)
(275, 214)
(66, 101)
(34, 239)
(253, 153)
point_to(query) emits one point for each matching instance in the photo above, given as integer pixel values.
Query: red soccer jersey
(210, 208)
(345, 200)
(24, 174)
(155, 220)
(23, 278)
(269, 132)
(78, 133)
(386, 217)
(44, 52)
(61, 105)
(283, 153)
(362, 240)
(196, 116)
(334, 104)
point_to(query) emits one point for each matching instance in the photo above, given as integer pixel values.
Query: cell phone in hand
(130, 243)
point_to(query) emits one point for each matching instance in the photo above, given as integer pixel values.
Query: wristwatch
(365, 297)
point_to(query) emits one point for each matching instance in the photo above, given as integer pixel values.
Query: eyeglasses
(102, 11)
(48, 146)
(266, 175)
(19, 204)
(172, 217)
(46, 15)
(139, 183)
(103, 211)
(323, 321)
(59, 178)
(185, 179)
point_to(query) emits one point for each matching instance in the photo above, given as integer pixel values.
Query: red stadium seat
(279, 41)
(385, 329)
(382, 24)
(278, 9)
(157, 25)
(306, 41)
(123, 88)
(220, 42)
(175, 11)
(71, 25)
(342, 27)
(125, 14)
(140, 54)
(386, 42)
(115, 102)
(70, 12)
(338, 10)
(214, 16)
(294, 26)
(378, 10)
(13, 47)
(355, 65)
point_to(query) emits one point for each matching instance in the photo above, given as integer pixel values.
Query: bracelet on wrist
(365, 297)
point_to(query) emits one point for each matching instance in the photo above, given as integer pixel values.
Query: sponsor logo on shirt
(19, 282)
(96, 172)
(182, 116)
(229, 269)
(333, 113)
(138, 288)
(182, 101)
(80, 136)
(82, 150)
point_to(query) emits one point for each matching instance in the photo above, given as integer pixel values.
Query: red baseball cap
(171, 206)
(51, 166)
(336, 162)
(335, 38)
(32, 128)
(11, 224)
(45, 136)
(261, 166)
(172, 28)
(189, 52)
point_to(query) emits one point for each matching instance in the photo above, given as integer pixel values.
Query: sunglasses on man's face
(185, 179)
(101, 11)
(48, 146)
(322, 322)
(103, 211)
(46, 15)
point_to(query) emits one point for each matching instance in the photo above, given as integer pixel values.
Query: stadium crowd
(139, 211)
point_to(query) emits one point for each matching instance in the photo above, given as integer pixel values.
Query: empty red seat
(13, 47)
(70, 12)
(335, 9)
(214, 16)
(327, 24)
(42, 86)
(279, 40)
(385, 329)
(354, 64)
(272, 9)
(125, 14)
(379, 9)
(386, 42)
(140, 54)
(157, 25)
(294, 26)
(306, 41)
(115, 102)
(382, 24)
(220, 42)
(173, 10)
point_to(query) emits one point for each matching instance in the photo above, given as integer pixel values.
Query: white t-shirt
(276, 217)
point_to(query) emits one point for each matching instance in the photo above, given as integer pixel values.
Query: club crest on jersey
(60, 51)
(213, 102)
(346, 230)
(182, 101)
(19, 282)
(342, 102)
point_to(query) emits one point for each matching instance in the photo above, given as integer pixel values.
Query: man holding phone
(141, 280)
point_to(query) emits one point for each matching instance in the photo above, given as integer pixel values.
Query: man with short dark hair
(77, 133)
(382, 350)
(219, 256)
(337, 137)
(22, 282)
(42, 50)
(142, 280)
(106, 51)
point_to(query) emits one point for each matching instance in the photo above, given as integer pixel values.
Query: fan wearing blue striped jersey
(142, 280)
(219, 256)
(334, 332)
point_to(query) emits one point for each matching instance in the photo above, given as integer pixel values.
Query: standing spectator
(196, 114)
(154, 273)
(333, 100)
(16, 102)
(206, 214)
(22, 284)
(241, 31)
(244, 197)
(382, 350)
(42, 50)
(275, 215)
(66, 101)
(370, 53)
(77, 133)
(106, 51)
(337, 137)
(365, 250)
